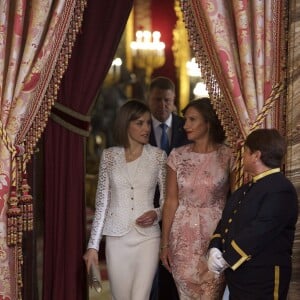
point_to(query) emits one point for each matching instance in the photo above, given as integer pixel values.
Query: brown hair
(129, 111)
(271, 145)
(162, 83)
(205, 108)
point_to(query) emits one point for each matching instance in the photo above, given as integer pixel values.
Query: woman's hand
(165, 257)
(90, 257)
(147, 219)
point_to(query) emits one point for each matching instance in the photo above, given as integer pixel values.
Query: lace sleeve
(102, 198)
(161, 183)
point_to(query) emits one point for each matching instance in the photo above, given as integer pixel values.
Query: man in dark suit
(167, 133)
(161, 101)
(254, 238)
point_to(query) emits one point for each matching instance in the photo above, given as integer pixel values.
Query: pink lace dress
(203, 184)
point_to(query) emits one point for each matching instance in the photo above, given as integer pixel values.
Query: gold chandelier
(148, 52)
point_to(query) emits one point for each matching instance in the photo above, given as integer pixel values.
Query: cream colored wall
(293, 130)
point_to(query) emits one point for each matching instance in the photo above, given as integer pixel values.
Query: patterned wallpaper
(293, 130)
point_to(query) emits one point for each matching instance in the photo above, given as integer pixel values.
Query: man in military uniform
(254, 238)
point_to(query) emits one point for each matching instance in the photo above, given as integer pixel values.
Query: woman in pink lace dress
(198, 182)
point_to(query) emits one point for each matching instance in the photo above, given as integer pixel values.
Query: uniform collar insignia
(265, 173)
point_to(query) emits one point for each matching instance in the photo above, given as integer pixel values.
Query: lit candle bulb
(156, 36)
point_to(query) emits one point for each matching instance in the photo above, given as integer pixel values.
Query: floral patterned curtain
(239, 45)
(34, 36)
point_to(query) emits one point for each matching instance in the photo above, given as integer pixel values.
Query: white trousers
(131, 264)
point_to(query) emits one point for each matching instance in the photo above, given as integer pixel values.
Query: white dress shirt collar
(157, 129)
(156, 123)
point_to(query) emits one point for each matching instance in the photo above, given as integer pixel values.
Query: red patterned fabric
(31, 37)
(239, 46)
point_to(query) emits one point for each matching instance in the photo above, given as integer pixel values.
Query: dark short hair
(162, 83)
(129, 111)
(205, 108)
(271, 145)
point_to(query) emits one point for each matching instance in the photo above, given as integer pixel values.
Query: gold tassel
(26, 205)
(13, 219)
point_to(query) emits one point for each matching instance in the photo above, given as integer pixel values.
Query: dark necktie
(164, 141)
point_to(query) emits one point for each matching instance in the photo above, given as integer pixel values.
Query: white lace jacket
(120, 201)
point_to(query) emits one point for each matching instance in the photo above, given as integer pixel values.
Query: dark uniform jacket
(258, 224)
(256, 235)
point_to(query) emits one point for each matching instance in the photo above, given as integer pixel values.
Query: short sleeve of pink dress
(203, 186)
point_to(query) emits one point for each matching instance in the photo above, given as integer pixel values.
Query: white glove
(216, 263)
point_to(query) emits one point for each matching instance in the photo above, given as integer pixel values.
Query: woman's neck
(204, 146)
(133, 151)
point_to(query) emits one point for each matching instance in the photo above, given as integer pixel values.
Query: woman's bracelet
(164, 246)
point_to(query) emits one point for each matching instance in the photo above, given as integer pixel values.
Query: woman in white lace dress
(125, 214)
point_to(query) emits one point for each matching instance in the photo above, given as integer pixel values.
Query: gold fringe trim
(212, 75)
(41, 118)
(20, 208)
(221, 99)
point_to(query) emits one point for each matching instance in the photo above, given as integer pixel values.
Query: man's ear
(257, 154)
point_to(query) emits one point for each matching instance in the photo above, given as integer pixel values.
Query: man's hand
(216, 263)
